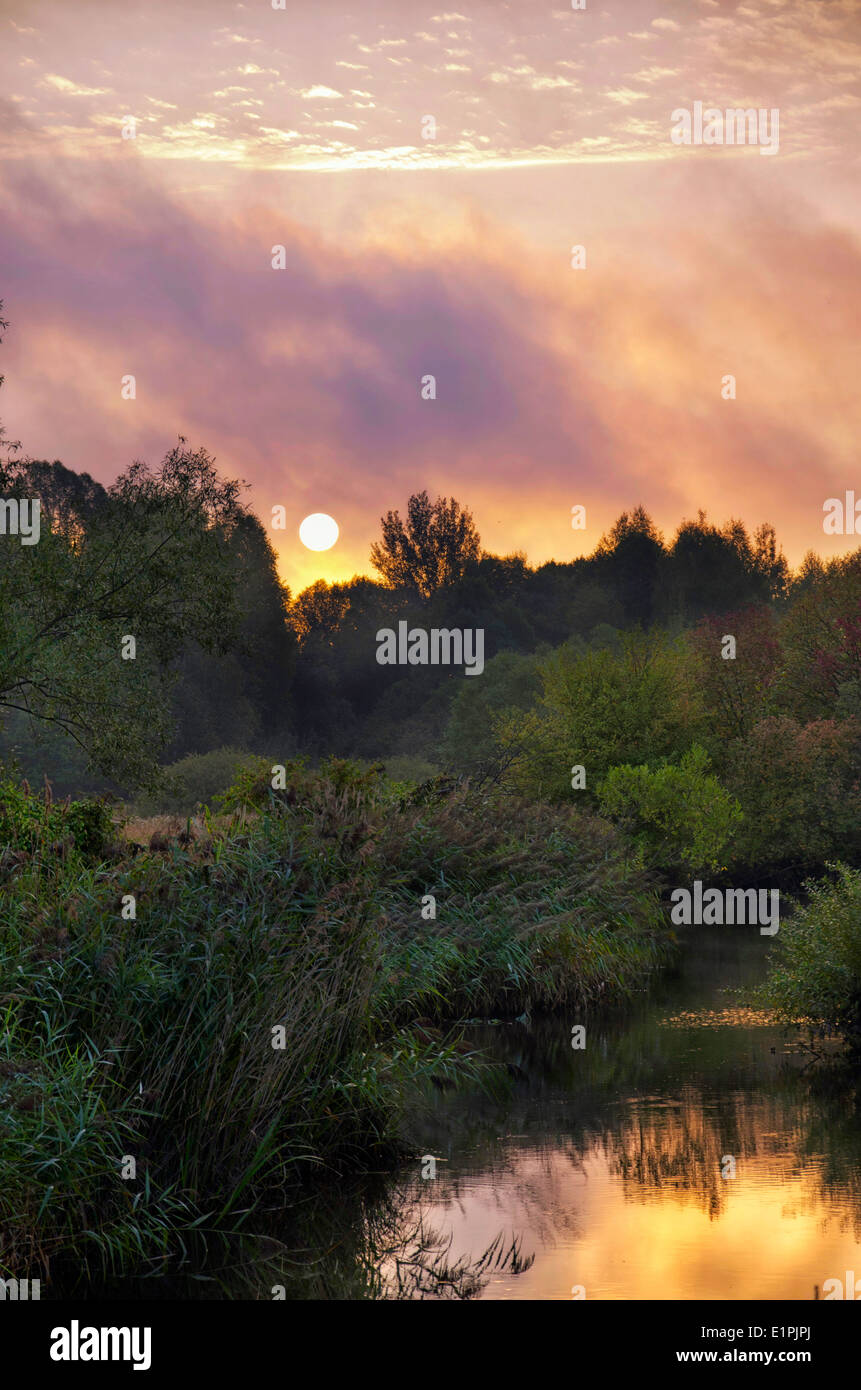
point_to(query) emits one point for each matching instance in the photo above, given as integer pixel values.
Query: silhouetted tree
(631, 555)
(432, 548)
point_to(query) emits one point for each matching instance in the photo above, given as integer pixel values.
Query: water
(607, 1163)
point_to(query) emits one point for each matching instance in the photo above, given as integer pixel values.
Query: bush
(196, 780)
(38, 823)
(815, 979)
(410, 770)
(306, 787)
(680, 815)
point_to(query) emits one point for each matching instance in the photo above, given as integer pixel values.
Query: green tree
(800, 789)
(821, 637)
(510, 682)
(599, 708)
(150, 560)
(736, 690)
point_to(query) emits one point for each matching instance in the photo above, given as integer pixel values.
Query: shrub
(32, 823)
(815, 978)
(196, 780)
(303, 786)
(600, 709)
(679, 815)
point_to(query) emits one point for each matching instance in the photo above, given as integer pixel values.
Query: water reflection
(609, 1162)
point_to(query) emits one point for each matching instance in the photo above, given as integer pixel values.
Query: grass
(151, 1035)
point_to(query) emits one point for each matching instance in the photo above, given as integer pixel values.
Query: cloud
(553, 386)
(73, 89)
(320, 92)
(624, 96)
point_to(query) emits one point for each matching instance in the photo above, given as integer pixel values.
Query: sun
(318, 531)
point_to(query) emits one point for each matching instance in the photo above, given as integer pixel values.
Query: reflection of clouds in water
(526, 1189)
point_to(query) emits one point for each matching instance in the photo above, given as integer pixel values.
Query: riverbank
(196, 1026)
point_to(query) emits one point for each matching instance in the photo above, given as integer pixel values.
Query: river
(612, 1166)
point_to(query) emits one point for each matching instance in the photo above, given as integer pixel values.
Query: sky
(428, 173)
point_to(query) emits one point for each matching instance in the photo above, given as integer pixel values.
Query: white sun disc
(318, 531)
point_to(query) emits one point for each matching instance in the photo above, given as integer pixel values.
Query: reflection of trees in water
(664, 1104)
(547, 1204)
(833, 1132)
(384, 1240)
(355, 1242)
(678, 1149)
(809, 1117)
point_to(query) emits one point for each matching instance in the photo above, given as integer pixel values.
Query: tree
(433, 548)
(737, 689)
(800, 789)
(632, 556)
(319, 608)
(220, 699)
(149, 560)
(822, 637)
(600, 708)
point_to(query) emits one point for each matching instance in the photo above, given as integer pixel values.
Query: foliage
(153, 1037)
(509, 682)
(430, 549)
(679, 814)
(40, 824)
(815, 978)
(601, 708)
(821, 636)
(150, 562)
(736, 689)
(197, 780)
(800, 789)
